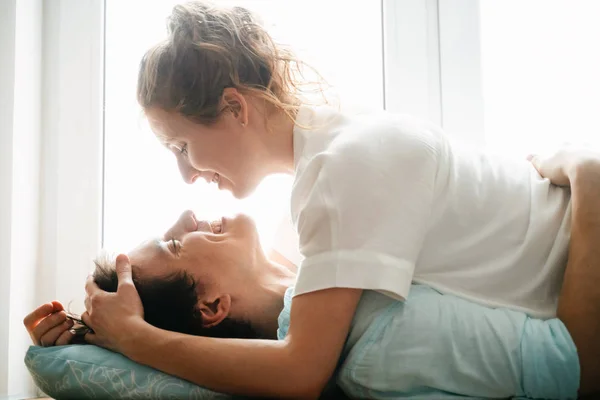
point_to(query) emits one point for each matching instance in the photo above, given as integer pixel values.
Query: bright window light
(541, 74)
(144, 193)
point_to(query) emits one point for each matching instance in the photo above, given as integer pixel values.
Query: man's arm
(579, 302)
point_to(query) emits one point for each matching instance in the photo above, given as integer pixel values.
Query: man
(247, 298)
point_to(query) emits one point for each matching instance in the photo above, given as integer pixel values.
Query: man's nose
(185, 223)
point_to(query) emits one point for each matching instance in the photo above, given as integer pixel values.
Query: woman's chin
(240, 192)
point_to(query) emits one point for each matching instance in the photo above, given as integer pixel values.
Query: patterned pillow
(86, 372)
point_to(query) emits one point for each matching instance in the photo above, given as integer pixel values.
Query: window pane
(143, 191)
(541, 73)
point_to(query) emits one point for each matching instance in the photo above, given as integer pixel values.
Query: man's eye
(175, 245)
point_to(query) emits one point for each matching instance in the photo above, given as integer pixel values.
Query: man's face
(225, 255)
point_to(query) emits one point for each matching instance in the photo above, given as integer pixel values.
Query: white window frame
(8, 11)
(71, 197)
(460, 70)
(412, 58)
(432, 64)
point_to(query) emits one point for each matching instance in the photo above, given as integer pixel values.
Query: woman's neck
(278, 139)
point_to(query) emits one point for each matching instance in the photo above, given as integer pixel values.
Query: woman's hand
(114, 317)
(561, 167)
(48, 325)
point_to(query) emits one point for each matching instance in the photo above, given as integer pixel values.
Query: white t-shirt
(381, 200)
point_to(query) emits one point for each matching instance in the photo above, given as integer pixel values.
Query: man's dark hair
(171, 303)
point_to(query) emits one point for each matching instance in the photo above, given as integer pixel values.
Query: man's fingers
(124, 270)
(91, 338)
(31, 320)
(85, 317)
(57, 306)
(535, 160)
(46, 325)
(50, 337)
(65, 338)
(90, 286)
(88, 303)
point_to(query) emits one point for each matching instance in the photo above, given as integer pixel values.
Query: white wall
(20, 121)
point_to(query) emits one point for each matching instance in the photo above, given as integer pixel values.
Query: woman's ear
(235, 102)
(215, 310)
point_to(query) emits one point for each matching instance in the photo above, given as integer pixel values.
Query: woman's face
(229, 152)
(226, 256)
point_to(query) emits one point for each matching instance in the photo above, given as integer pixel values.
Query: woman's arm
(298, 366)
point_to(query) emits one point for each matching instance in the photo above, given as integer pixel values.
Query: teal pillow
(86, 372)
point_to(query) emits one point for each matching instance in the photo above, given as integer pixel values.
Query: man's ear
(215, 310)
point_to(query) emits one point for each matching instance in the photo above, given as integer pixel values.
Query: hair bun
(211, 47)
(187, 21)
(245, 16)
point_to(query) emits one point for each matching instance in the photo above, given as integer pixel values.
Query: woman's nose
(188, 173)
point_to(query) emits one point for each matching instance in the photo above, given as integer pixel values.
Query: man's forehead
(149, 251)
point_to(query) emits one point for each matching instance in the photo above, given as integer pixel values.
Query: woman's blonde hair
(210, 48)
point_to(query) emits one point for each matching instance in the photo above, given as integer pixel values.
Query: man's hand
(113, 316)
(579, 301)
(48, 325)
(562, 167)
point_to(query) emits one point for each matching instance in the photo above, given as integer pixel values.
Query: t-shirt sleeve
(362, 209)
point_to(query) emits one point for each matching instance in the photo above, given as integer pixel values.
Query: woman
(214, 280)
(378, 202)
